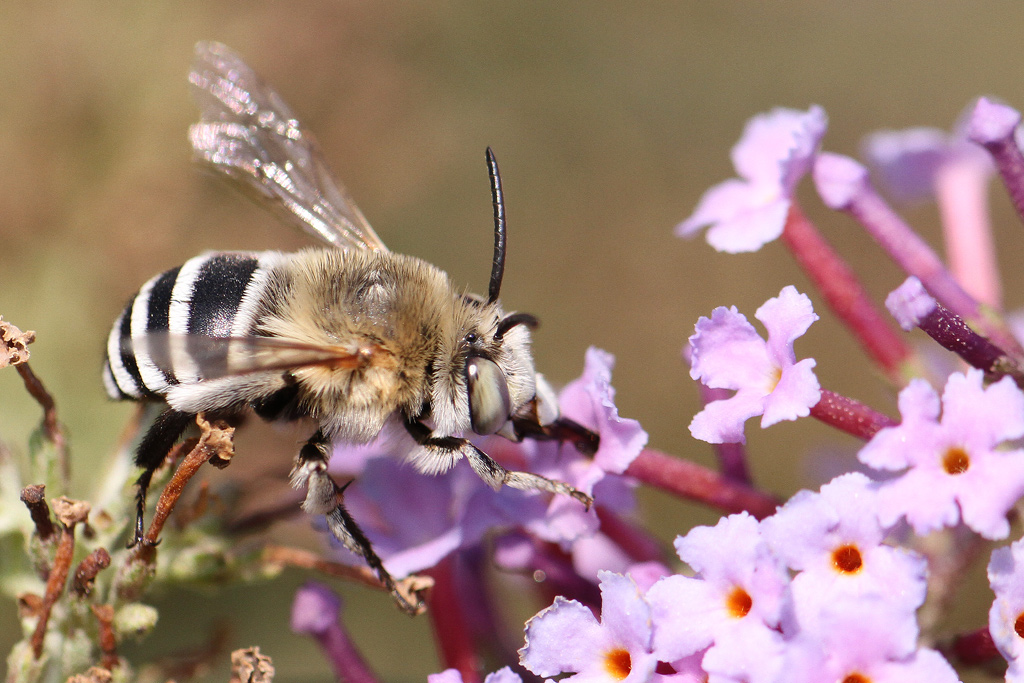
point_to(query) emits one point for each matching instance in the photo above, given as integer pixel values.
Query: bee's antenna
(498, 265)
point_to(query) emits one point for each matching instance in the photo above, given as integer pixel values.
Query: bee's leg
(562, 429)
(451, 448)
(323, 497)
(151, 452)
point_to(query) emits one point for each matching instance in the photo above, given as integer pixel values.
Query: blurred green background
(609, 120)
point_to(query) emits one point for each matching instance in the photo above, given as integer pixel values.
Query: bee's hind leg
(448, 449)
(323, 497)
(150, 454)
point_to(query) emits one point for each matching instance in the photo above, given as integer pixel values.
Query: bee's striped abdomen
(214, 295)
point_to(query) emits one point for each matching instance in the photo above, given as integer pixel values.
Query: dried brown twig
(95, 674)
(70, 513)
(14, 344)
(107, 638)
(214, 443)
(249, 666)
(35, 500)
(410, 588)
(85, 574)
(14, 351)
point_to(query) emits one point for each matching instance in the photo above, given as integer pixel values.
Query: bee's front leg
(323, 497)
(562, 429)
(443, 451)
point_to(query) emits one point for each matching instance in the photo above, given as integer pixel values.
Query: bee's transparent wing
(247, 131)
(193, 358)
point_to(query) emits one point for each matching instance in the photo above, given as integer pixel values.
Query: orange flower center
(856, 678)
(739, 602)
(847, 559)
(617, 663)
(1018, 625)
(956, 460)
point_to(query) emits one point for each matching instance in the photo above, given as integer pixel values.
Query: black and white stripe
(213, 295)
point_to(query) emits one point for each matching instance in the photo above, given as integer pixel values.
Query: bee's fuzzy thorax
(398, 304)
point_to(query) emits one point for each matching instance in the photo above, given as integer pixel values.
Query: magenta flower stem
(961, 190)
(693, 482)
(952, 333)
(1010, 162)
(849, 415)
(451, 629)
(918, 259)
(994, 126)
(470, 571)
(974, 648)
(347, 662)
(845, 295)
(316, 612)
(634, 540)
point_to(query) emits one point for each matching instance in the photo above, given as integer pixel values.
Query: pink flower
(834, 541)
(955, 468)
(728, 353)
(567, 638)
(775, 152)
(734, 604)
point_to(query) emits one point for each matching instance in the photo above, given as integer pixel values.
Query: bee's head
(498, 371)
(491, 372)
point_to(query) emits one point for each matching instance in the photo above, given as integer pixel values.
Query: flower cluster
(855, 582)
(811, 593)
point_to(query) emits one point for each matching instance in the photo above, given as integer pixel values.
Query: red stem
(976, 647)
(844, 294)
(695, 482)
(849, 415)
(633, 540)
(451, 630)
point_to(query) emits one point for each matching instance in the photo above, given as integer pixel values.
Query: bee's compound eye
(489, 403)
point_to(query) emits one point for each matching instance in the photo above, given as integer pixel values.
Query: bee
(352, 335)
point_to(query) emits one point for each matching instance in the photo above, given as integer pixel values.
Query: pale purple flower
(991, 122)
(739, 592)
(834, 541)
(909, 303)
(728, 353)
(774, 153)
(855, 642)
(567, 638)
(414, 520)
(956, 469)
(590, 401)
(912, 306)
(909, 162)
(996, 127)
(1006, 617)
(315, 609)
